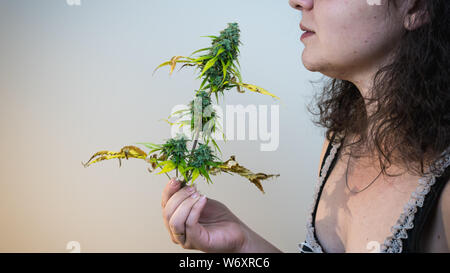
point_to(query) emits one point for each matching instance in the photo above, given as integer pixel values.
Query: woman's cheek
(331, 54)
(336, 48)
(347, 47)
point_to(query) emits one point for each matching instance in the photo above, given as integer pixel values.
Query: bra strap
(421, 219)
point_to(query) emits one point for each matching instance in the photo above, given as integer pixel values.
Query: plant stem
(183, 182)
(197, 133)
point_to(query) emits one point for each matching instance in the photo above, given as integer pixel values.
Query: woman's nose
(301, 4)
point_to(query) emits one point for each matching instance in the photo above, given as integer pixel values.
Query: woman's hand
(201, 223)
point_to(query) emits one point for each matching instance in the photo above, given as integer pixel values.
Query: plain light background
(78, 79)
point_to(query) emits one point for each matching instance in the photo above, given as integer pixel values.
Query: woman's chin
(326, 68)
(310, 61)
(311, 66)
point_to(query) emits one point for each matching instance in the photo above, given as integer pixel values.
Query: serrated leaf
(126, 152)
(178, 112)
(166, 120)
(184, 65)
(205, 174)
(149, 145)
(220, 51)
(173, 62)
(203, 82)
(154, 150)
(208, 65)
(195, 174)
(184, 122)
(182, 169)
(210, 36)
(203, 58)
(257, 89)
(163, 163)
(224, 69)
(207, 86)
(169, 166)
(217, 146)
(161, 65)
(211, 62)
(231, 166)
(200, 50)
(236, 73)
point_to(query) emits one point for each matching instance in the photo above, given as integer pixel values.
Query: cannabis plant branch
(219, 70)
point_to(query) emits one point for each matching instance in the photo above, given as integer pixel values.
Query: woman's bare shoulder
(444, 205)
(324, 149)
(436, 237)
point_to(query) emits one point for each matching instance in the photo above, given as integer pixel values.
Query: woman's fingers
(181, 211)
(177, 222)
(192, 220)
(194, 230)
(176, 199)
(172, 197)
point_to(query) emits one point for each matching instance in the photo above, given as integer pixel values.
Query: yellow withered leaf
(166, 120)
(233, 80)
(152, 160)
(257, 89)
(161, 65)
(232, 166)
(173, 62)
(125, 152)
(168, 166)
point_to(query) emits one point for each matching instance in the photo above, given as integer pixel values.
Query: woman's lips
(306, 34)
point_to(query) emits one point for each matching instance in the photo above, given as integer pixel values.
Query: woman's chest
(360, 222)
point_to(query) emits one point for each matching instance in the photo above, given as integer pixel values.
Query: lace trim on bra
(310, 238)
(393, 243)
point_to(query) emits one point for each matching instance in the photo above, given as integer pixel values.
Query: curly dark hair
(411, 123)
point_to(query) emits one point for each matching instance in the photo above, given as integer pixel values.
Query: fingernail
(195, 195)
(174, 182)
(191, 189)
(202, 197)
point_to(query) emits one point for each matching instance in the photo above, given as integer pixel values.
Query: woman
(384, 165)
